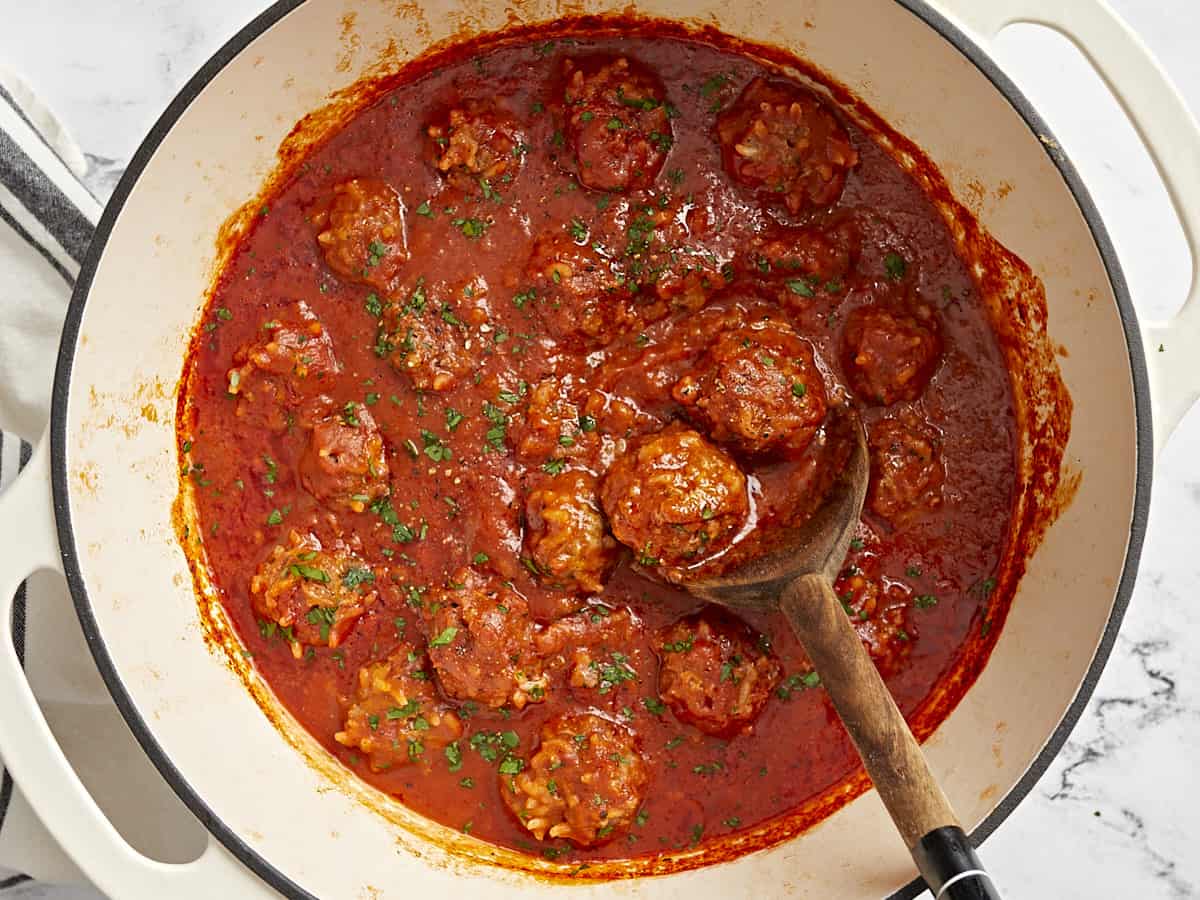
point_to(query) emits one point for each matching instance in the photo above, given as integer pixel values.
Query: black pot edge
(233, 842)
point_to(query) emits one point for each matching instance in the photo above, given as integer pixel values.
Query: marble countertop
(1116, 814)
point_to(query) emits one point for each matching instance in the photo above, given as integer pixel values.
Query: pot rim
(60, 396)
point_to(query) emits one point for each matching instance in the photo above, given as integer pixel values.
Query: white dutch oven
(96, 501)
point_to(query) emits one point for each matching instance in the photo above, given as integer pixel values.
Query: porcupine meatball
(617, 123)
(344, 464)
(395, 718)
(906, 468)
(310, 594)
(481, 642)
(361, 232)
(675, 498)
(787, 145)
(424, 346)
(757, 389)
(584, 782)
(714, 674)
(476, 141)
(567, 536)
(889, 355)
(274, 377)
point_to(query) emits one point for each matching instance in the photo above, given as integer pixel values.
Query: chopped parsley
(435, 448)
(352, 578)
(472, 228)
(681, 646)
(800, 287)
(613, 673)
(654, 706)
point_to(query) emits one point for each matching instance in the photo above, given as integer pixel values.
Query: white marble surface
(1117, 815)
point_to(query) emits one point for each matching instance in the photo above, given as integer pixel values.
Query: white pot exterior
(115, 428)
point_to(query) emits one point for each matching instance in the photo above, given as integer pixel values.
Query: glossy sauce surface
(462, 461)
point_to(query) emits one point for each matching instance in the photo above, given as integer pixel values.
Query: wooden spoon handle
(891, 754)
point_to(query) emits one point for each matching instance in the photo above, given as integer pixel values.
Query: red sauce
(917, 580)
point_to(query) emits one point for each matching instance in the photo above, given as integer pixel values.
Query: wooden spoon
(797, 577)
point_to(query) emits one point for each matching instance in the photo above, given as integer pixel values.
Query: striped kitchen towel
(47, 217)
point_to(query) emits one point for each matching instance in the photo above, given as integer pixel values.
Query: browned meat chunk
(396, 719)
(785, 143)
(273, 376)
(584, 783)
(476, 142)
(617, 123)
(757, 389)
(906, 469)
(567, 537)
(674, 498)
(481, 642)
(714, 674)
(890, 356)
(344, 463)
(309, 595)
(423, 345)
(362, 233)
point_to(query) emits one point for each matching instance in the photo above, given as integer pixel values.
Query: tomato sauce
(461, 460)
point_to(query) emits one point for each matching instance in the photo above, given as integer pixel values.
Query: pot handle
(35, 760)
(1171, 135)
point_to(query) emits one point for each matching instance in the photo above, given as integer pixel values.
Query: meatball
(714, 675)
(600, 650)
(395, 718)
(906, 469)
(310, 595)
(675, 498)
(344, 463)
(809, 254)
(889, 355)
(476, 142)
(756, 389)
(362, 232)
(880, 613)
(481, 642)
(272, 376)
(617, 124)
(786, 144)
(584, 783)
(622, 270)
(567, 538)
(423, 346)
